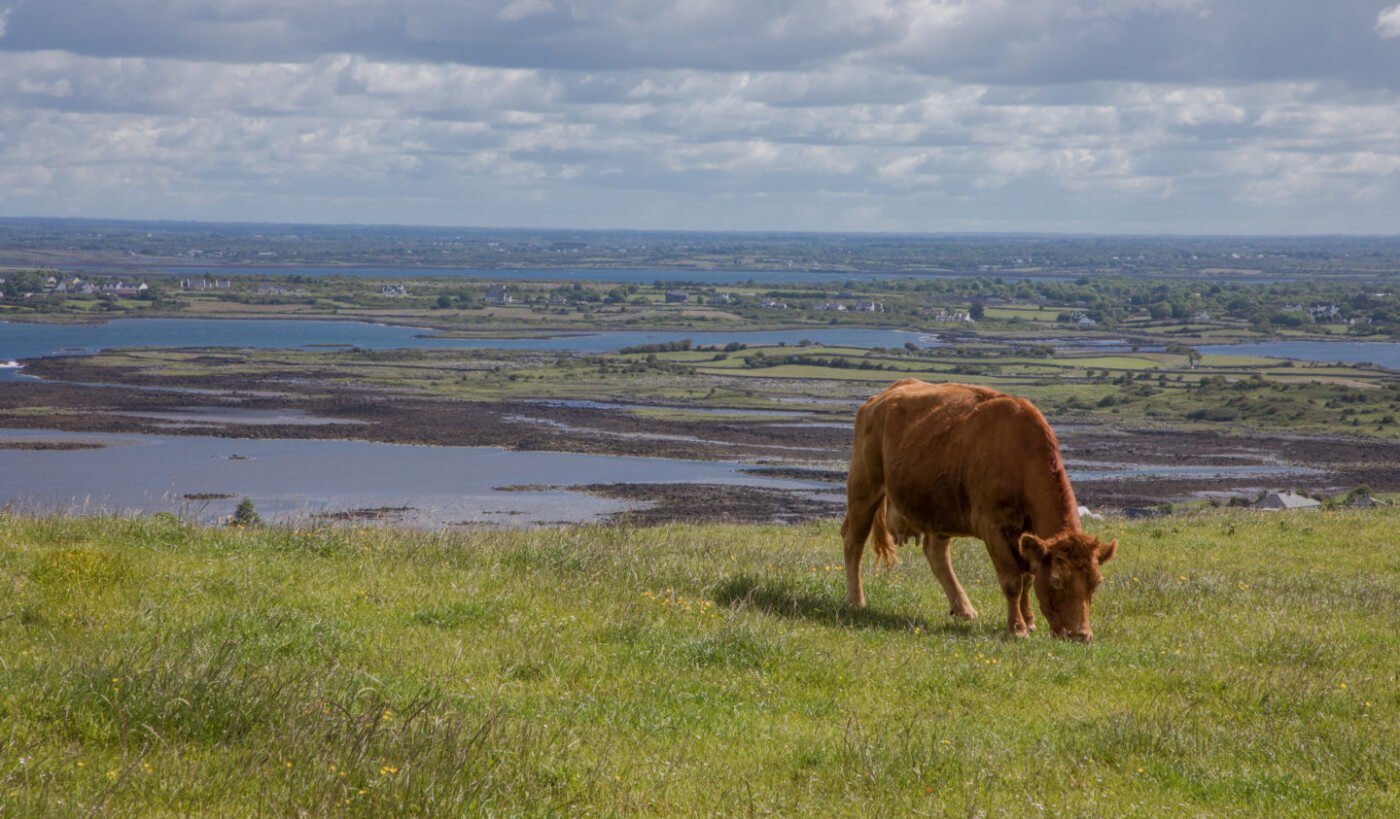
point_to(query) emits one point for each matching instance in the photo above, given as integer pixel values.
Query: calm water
(298, 478)
(1383, 353)
(443, 486)
(20, 341)
(607, 275)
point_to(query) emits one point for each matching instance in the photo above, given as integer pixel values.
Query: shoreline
(385, 416)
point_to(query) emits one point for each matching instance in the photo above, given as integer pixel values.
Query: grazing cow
(954, 460)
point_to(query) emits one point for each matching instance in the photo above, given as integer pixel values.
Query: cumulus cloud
(812, 114)
(997, 41)
(342, 136)
(1388, 22)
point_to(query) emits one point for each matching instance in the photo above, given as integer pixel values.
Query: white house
(1285, 500)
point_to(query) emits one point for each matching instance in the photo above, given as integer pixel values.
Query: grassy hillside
(1243, 664)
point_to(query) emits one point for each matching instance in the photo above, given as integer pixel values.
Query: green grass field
(1244, 664)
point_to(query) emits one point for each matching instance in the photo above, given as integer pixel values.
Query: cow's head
(1066, 569)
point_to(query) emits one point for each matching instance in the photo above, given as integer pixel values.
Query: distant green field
(679, 355)
(809, 371)
(1114, 362)
(1245, 665)
(1028, 313)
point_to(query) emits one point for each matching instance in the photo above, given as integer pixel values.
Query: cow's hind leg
(937, 550)
(860, 514)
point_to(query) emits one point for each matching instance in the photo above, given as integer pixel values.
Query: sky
(1098, 116)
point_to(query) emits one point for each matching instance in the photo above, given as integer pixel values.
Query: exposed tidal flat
(1141, 425)
(1243, 665)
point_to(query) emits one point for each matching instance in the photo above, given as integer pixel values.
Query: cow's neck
(1053, 508)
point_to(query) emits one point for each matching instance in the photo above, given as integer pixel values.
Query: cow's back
(952, 456)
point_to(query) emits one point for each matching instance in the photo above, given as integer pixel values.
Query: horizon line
(704, 231)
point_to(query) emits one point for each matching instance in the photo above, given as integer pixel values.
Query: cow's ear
(1106, 550)
(1033, 549)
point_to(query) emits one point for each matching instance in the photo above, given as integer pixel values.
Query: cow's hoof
(1030, 626)
(964, 614)
(1018, 634)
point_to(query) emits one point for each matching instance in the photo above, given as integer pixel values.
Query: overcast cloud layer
(1083, 115)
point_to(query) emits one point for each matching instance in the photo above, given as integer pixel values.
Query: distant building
(1367, 502)
(122, 288)
(558, 298)
(870, 307)
(720, 298)
(773, 305)
(393, 291)
(832, 306)
(1084, 323)
(677, 297)
(496, 294)
(205, 284)
(1285, 500)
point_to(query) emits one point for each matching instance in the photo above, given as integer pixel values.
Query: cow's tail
(881, 541)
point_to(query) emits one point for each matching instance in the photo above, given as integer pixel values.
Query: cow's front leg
(1027, 612)
(1011, 577)
(1011, 585)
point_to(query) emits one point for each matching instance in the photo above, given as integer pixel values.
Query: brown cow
(957, 460)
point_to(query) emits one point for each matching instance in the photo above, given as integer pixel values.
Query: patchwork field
(1244, 664)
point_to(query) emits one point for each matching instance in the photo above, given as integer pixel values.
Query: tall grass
(1243, 664)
